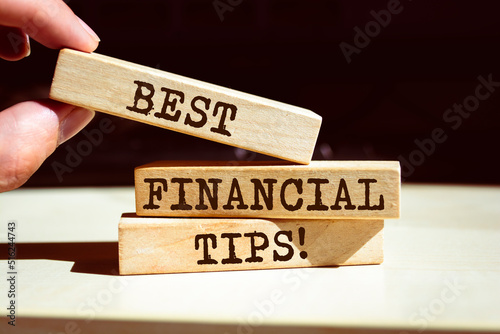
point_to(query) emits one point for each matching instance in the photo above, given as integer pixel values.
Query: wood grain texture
(169, 245)
(185, 105)
(322, 189)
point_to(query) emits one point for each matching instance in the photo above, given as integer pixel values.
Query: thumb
(30, 132)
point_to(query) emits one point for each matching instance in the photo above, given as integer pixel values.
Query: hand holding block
(185, 105)
(171, 245)
(322, 189)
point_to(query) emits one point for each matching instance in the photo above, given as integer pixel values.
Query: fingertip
(29, 132)
(53, 24)
(14, 44)
(88, 41)
(89, 30)
(73, 122)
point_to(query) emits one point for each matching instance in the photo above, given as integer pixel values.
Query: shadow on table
(89, 257)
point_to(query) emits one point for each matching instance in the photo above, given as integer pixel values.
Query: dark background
(393, 92)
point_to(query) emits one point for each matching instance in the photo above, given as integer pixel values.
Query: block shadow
(99, 258)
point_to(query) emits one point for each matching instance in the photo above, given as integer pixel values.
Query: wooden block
(185, 105)
(322, 189)
(169, 245)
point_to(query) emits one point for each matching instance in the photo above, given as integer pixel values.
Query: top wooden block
(185, 105)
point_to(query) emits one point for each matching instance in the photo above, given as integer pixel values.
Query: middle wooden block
(322, 189)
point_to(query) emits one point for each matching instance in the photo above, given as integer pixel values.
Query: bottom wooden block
(170, 245)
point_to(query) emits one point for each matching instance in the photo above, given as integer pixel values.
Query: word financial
(322, 189)
(264, 196)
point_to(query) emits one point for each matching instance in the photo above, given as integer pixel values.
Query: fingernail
(15, 46)
(73, 123)
(28, 47)
(89, 30)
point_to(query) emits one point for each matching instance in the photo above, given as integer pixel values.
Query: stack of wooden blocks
(194, 216)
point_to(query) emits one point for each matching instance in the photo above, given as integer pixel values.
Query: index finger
(50, 22)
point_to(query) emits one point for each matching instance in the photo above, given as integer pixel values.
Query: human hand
(31, 131)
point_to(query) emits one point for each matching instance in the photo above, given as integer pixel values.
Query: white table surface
(441, 272)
